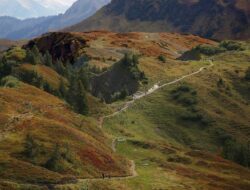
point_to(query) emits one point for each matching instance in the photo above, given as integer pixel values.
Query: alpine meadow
(125, 95)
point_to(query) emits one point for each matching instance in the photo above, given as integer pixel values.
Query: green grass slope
(178, 135)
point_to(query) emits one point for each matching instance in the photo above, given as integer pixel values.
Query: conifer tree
(135, 60)
(62, 88)
(47, 87)
(68, 70)
(5, 68)
(30, 57)
(53, 162)
(82, 106)
(71, 91)
(30, 147)
(48, 59)
(60, 68)
(127, 60)
(84, 77)
(37, 55)
(76, 96)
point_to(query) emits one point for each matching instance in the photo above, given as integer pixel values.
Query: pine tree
(37, 55)
(68, 70)
(30, 57)
(83, 76)
(62, 89)
(53, 162)
(60, 68)
(5, 68)
(30, 147)
(72, 90)
(47, 87)
(37, 80)
(127, 60)
(135, 60)
(36, 51)
(76, 96)
(48, 59)
(82, 106)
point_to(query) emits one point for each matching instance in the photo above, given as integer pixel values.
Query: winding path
(138, 96)
(155, 88)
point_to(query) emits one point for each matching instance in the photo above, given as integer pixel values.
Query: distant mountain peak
(13, 28)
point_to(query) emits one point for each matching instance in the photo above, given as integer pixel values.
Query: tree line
(74, 82)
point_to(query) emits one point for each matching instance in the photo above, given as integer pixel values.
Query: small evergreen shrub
(185, 95)
(231, 45)
(162, 58)
(15, 54)
(209, 50)
(247, 75)
(54, 162)
(9, 82)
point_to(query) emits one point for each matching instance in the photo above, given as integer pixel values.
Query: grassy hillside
(190, 134)
(171, 146)
(178, 136)
(43, 141)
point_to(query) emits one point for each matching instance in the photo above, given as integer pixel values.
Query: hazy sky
(33, 8)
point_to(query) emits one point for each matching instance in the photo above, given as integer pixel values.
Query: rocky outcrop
(62, 46)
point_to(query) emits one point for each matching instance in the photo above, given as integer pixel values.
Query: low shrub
(9, 82)
(222, 136)
(209, 50)
(180, 159)
(142, 144)
(162, 58)
(247, 75)
(62, 159)
(185, 95)
(15, 54)
(231, 45)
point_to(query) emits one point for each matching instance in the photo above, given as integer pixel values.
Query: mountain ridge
(13, 28)
(214, 19)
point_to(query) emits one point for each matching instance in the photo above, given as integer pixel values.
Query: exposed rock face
(63, 46)
(218, 19)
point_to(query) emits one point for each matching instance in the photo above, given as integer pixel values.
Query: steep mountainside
(218, 19)
(13, 28)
